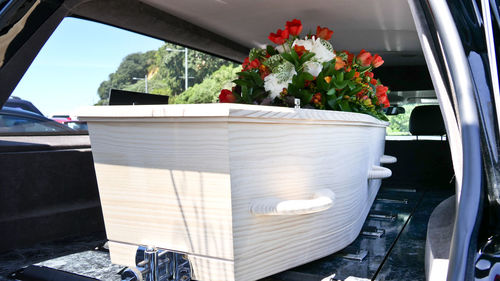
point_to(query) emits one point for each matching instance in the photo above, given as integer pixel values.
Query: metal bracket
(395, 201)
(154, 264)
(354, 254)
(383, 216)
(373, 232)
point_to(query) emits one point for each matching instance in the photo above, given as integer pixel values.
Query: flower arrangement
(309, 69)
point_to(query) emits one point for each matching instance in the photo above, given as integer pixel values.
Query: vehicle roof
(385, 26)
(16, 102)
(21, 112)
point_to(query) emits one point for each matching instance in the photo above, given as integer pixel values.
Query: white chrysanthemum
(313, 68)
(272, 85)
(282, 49)
(323, 50)
(306, 43)
(282, 76)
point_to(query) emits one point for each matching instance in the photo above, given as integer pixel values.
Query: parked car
(19, 121)
(17, 102)
(60, 118)
(77, 125)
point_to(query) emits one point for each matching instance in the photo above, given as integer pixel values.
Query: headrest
(427, 120)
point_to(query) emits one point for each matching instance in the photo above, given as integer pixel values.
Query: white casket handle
(322, 200)
(377, 172)
(387, 159)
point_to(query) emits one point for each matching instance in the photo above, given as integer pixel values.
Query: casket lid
(226, 112)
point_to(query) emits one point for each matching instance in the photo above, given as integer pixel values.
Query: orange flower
(364, 58)
(328, 79)
(264, 71)
(294, 27)
(339, 63)
(377, 61)
(323, 33)
(317, 98)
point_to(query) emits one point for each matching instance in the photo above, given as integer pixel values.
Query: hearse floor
(398, 254)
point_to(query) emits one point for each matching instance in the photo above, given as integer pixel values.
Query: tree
(208, 90)
(133, 65)
(400, 124)
(165, 70)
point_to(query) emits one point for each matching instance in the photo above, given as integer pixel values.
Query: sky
(79, 55)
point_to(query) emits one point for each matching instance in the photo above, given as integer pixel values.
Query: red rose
(384, 100)
(377, 61)
(350, 57)
(324, 33)
(364, 58)
(369, 74)
(382, 95)
(248, 65)
(300, 50)
(381, 89)
(226, 96)
(373, 82)
(294, 27)
(279, 37)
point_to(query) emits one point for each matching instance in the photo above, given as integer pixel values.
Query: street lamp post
(145, 82)
(186, 77)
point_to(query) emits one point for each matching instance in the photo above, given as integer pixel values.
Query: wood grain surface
(183, 178)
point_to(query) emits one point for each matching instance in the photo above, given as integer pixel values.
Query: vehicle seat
(427, 120)
(422, 162)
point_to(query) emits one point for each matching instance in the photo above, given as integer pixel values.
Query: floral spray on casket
(309, 69)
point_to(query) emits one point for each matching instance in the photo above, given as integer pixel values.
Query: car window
(83, 60)
(399, 128)
(12, 124)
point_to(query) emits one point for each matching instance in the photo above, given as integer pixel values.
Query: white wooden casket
(247, 191)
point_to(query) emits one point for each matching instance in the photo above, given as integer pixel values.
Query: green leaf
(350, 75)
(363, 69)
(321, 83)
(243, 73)
(344, 105)
(351, 85)
(257, 79)
(340, 85)
(243, 83)
(306, 57)
(287, 57)
(270, 50)
(332, 102)
(306, 97)
(308, 76)
(331, 92)
(295, 57)
(340, 76)
(292, 89)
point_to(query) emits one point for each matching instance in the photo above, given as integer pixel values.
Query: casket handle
(387, 159)
(377, 172)
(322, 200)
